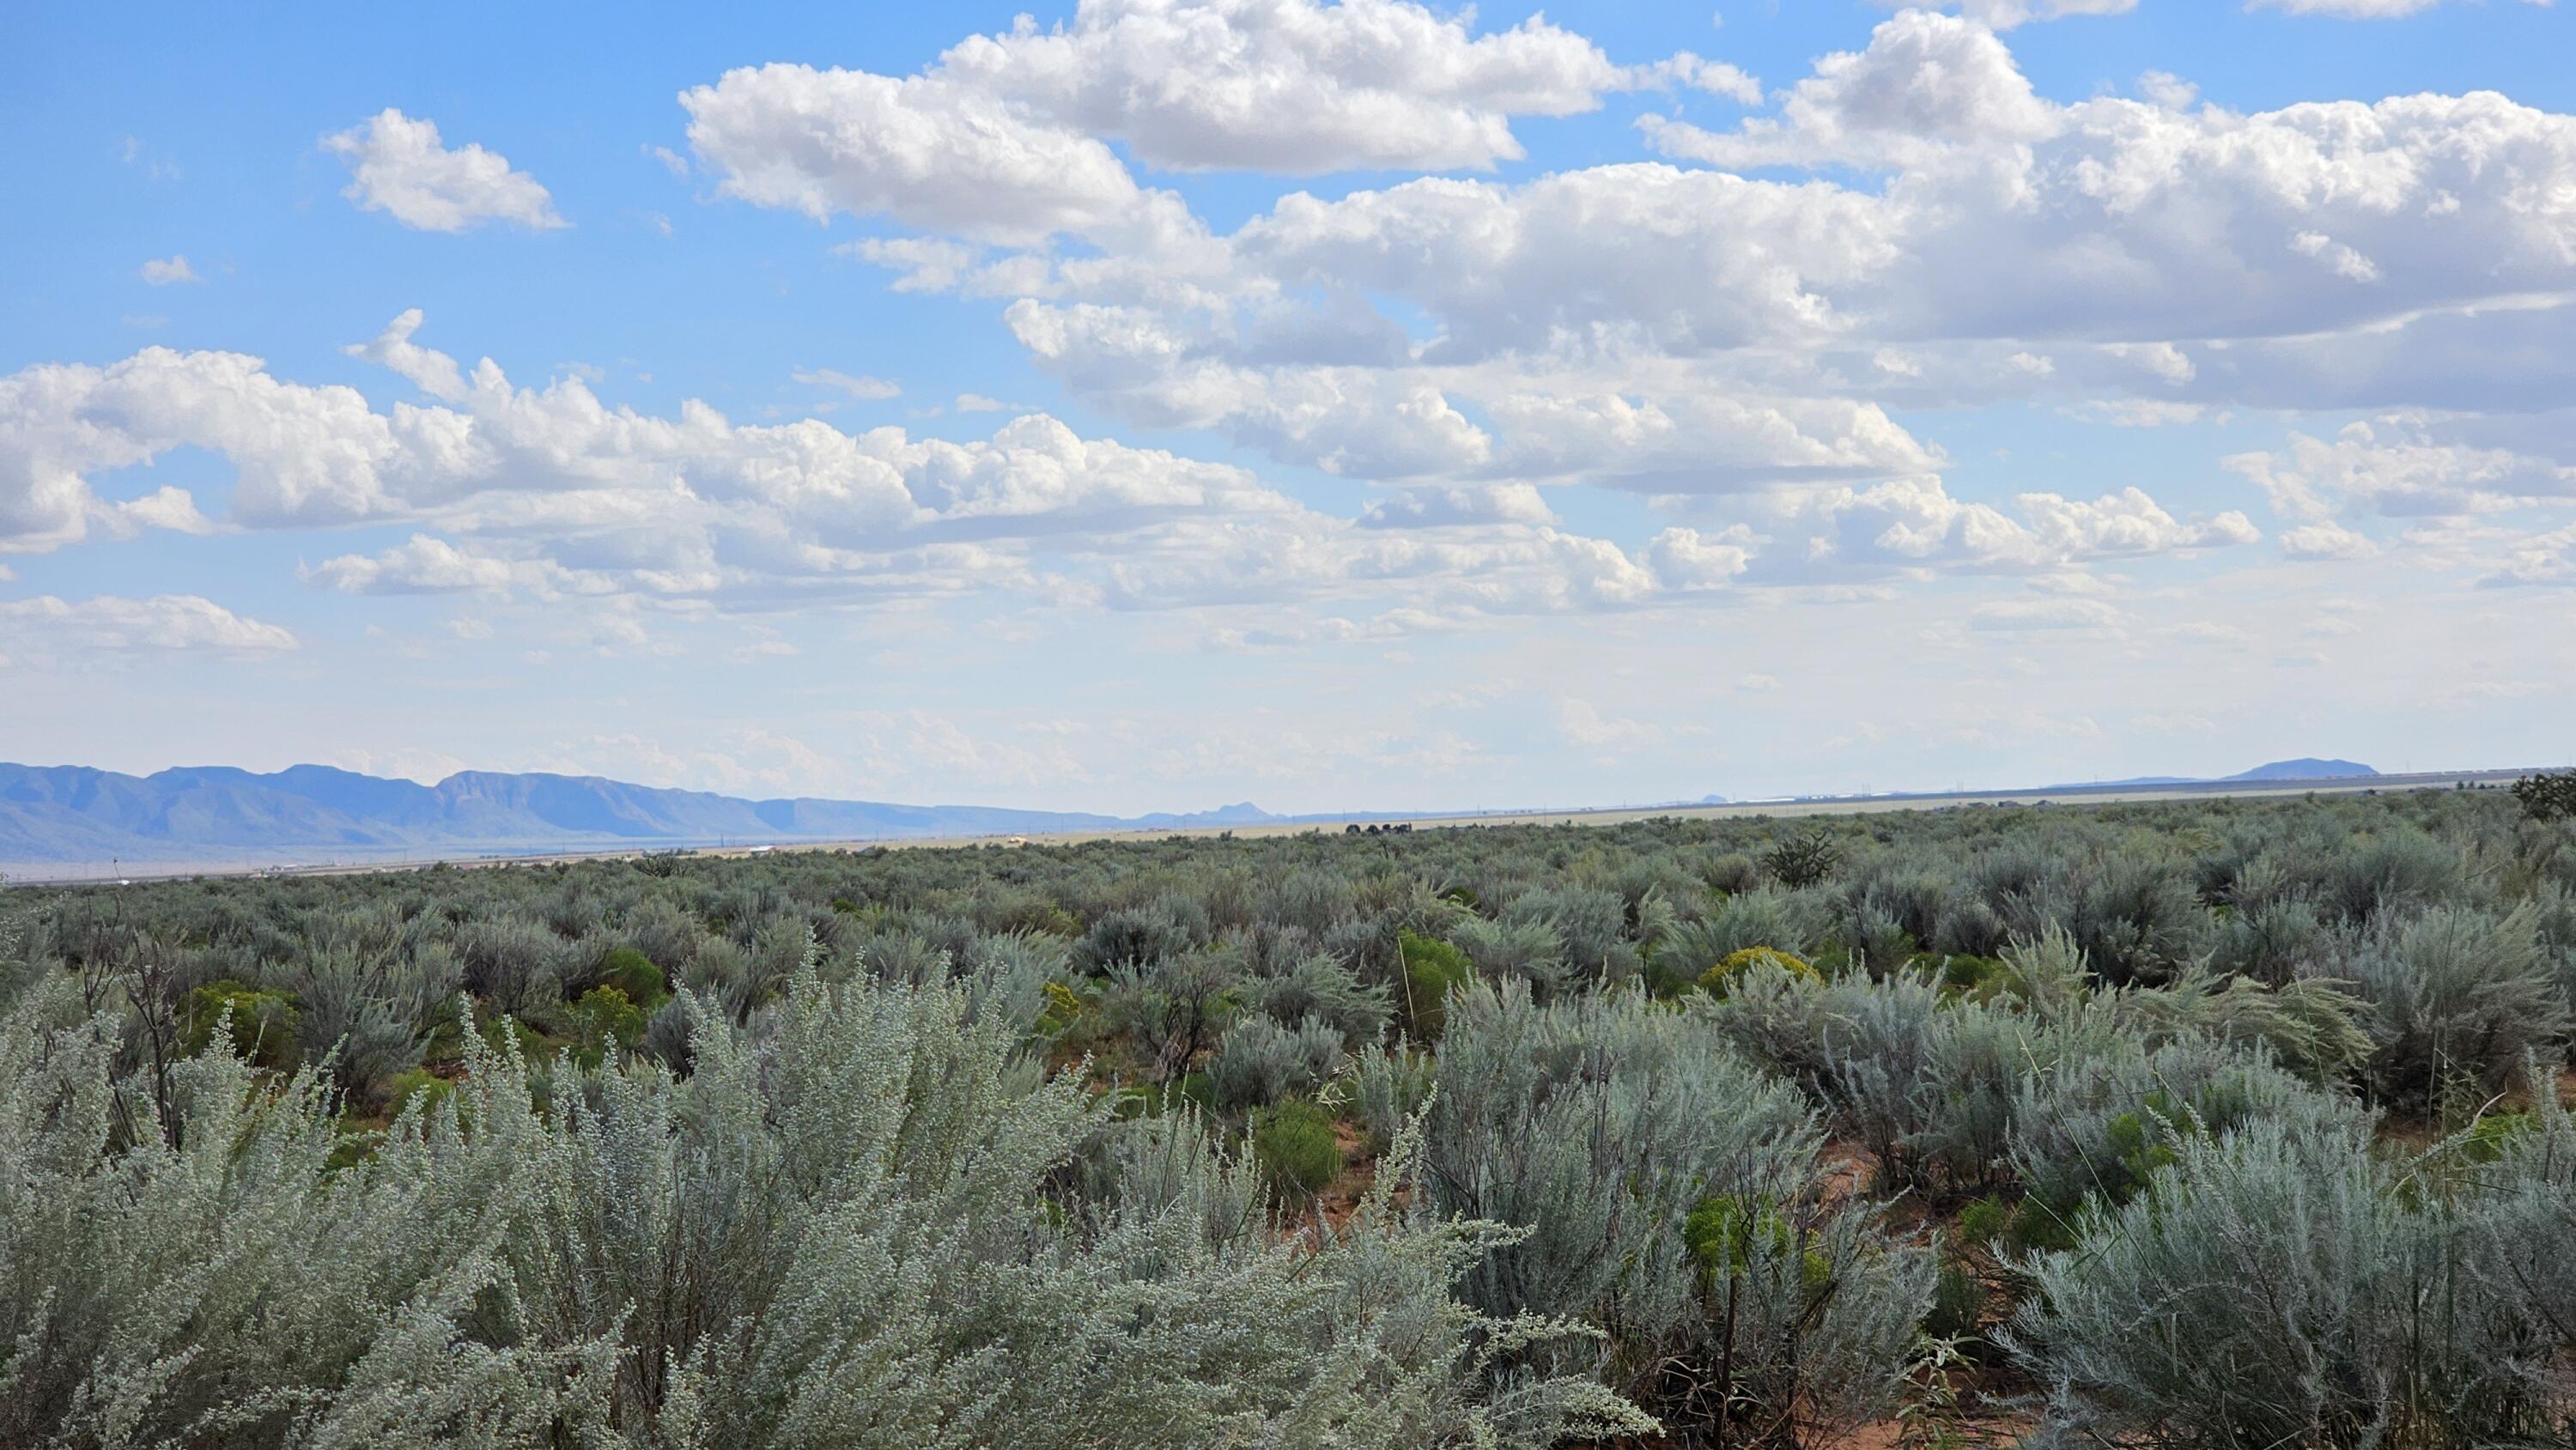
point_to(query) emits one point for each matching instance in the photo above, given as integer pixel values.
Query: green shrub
(1963, 975)
(1432, 970)
(1721, 1232)
(419, 1082)
(263, 1023)
(1717, 979)
(633, 973)
(1962, 1306)
(605, 1019)
(1295, 1142)
(1985, 1221)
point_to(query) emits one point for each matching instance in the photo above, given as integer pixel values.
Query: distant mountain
(216, 813)
(1241, 813)
(2306, 767)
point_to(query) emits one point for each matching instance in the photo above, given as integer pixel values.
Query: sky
(1157, 403)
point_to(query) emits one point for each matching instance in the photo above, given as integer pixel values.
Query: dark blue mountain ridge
(2306, 767)
(76, 813)
(210, 813)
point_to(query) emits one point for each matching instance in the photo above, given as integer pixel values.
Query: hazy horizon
(1336, 407)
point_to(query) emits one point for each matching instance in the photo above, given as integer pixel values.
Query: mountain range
(2306, 767)
(219, 814)
(207, 813)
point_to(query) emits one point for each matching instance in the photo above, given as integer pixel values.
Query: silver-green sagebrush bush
(1606, 1126)
(851, 1231)
(2458, 998)
(1260, 1060)
(2281, 1285)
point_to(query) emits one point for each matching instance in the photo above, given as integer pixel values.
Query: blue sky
(1339, 406)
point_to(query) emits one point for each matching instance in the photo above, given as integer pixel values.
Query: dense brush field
(2217, 1124)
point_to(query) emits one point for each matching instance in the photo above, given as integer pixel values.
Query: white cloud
(398, 166)
(2325, 541)
(162, 622)
(2355, 9)
(2006, 14)
(1290, 86)
(166, 507)
(1927, 83)
(1916, 523)
(2343, 261)
(1002, 139)
(162, 272)
(1418, 508)
(866, 389)
(546, 488)
(311, 454)
(426, 565)
(2546, 558)
(930, 153)
(1685, 559)
(2168, 90)
(2396, 468)
(434, 373)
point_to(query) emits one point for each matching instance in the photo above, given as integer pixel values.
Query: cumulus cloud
(434, 373)
(2547, 558)
(1685, 332)
(1422, 508)
(1002, 140)
(1685, 559)
(2355, 9)
(166, 507)
(1290, 86)
(397, 165)
(2396, 468)
(2023, 246)
(162, 622)
(929, 153)
(426, 565)
(863, 388)
(1927, 83)
(2006, 14)
(2326, 541)
(163, 271)
(1915, 523)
